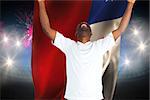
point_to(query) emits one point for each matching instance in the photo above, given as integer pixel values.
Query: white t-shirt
(84, 66)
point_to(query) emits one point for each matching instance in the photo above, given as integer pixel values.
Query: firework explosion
(25, 21)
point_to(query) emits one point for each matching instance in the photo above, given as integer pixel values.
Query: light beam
(5, 39)
(135, 32)
(9, 62)
(142, 46)
(127, 62)
(18, 43)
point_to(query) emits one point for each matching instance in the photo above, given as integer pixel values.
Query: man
(83, 58)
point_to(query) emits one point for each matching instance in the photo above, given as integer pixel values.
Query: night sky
(132, 86)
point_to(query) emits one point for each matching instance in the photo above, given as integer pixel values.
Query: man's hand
(132, 1)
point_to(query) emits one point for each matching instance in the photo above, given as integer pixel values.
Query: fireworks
(25, 21)
(27, 39)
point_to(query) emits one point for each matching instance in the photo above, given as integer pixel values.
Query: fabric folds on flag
(48, 62)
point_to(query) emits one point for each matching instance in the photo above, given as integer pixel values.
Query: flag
(48, 62)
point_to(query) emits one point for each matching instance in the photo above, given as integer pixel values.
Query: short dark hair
(78, 29)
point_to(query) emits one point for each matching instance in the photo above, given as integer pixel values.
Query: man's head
(83, 32)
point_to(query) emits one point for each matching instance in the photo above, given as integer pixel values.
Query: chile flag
(48, 62)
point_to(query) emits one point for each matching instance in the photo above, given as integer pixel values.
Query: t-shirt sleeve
(62, 42)
(106, 43)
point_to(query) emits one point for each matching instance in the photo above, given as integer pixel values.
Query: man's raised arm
(51, 33)
(125, 20)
